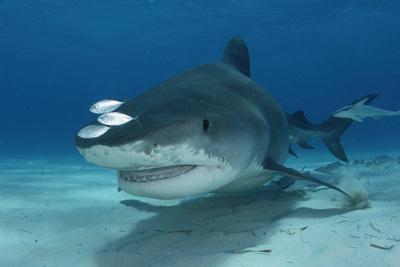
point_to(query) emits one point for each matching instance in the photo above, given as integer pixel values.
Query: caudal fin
(335, 127)
(329, 131)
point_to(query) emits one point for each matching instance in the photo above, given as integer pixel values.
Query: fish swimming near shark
(209, 129)
(361, 110)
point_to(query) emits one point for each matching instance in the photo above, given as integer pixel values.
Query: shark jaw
(154, 174)
(174, 181)
(165, 172)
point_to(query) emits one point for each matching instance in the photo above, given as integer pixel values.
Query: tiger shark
(209, 129)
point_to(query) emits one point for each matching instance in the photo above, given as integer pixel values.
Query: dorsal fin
(365, 100)
(299, 116)
(236, 54)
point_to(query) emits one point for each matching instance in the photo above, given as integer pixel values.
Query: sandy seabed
(69, 214)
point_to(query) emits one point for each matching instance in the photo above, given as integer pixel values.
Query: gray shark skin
(330, 131)
(209, 129)
(361, 110)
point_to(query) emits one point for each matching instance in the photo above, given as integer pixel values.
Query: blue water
(58, 57)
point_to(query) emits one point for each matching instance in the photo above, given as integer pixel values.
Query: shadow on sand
(205, 231)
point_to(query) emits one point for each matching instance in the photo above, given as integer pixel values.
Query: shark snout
(134, 155)
(118, 147)
(108, 141)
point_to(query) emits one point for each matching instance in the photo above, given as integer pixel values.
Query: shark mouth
(154, 174)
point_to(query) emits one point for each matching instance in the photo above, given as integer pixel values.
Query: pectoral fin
(357, 119)
(291, 152)
(305, 145)
(271, 165)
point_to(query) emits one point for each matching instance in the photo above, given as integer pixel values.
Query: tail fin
(329, 131)
(335, 127)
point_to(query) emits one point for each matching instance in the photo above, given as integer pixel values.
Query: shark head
(344, 112)
(189, 135)
(355, 110)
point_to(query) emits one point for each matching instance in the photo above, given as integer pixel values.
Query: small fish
(105, 106)
(114, 119)
(93, 131)
(360, 110)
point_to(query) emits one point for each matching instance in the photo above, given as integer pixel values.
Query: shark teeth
(105, 106)
(114, 119)
(93, 131)
(154, 174)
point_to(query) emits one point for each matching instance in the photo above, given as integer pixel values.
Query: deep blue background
(58, 57)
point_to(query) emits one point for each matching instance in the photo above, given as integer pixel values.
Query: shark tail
(329, 131)
(334, 128)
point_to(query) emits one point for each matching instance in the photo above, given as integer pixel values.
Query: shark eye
(206, 125)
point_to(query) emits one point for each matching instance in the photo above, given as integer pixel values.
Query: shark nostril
(147, 150)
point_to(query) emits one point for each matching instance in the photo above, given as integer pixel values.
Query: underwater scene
(199, 133)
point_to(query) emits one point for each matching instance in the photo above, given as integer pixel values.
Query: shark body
(210, 129)
(361, 110)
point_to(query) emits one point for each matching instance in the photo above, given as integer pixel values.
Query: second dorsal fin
(299, 116)
(236, 54)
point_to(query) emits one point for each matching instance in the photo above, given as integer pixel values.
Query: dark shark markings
(208, 129)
